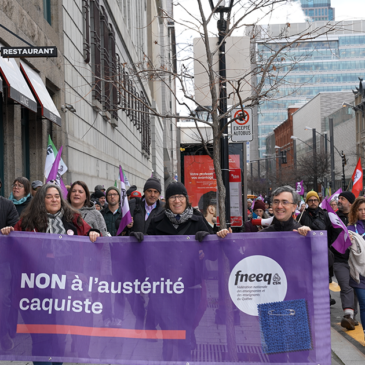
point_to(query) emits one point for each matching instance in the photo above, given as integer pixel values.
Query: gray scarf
(177, 219)
(55, 224)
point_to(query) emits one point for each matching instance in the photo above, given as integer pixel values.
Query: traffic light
(343, 159)
(283, 156)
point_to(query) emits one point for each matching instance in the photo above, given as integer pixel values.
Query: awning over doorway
(18, 89)
(49, 109)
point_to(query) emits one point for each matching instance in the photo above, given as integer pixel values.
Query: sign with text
(235, 193)
(199, 177)
(241, 129)
(168, 299)
(28, 52)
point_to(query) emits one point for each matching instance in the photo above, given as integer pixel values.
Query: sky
(292, 13)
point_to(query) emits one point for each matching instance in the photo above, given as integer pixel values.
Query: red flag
(357, 178)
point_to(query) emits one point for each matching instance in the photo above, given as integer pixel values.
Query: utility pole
(315, 184)
(222, 28)
(332, 152)
(325, 152)
(244, 153)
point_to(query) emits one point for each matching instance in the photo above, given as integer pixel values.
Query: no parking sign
(241, 129)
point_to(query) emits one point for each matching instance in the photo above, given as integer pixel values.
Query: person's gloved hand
(138, 235)
(199, 236)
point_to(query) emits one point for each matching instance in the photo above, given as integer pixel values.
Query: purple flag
(124, 206)
(343, 241)
(300, 188)
(336, 194)
(54, 170)
(54, 175)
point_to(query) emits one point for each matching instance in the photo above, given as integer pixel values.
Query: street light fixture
(355, 108)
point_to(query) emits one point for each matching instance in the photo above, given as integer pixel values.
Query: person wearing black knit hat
(341, 267)
(130, 191)
(144, 208)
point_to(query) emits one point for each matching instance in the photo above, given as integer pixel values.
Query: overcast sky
(292, 13)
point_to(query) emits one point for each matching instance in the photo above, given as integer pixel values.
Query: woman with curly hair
(48, 212)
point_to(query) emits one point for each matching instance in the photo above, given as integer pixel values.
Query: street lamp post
(218, 6)
(226, 308)
(315, 183)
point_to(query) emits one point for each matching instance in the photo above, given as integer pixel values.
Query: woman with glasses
(20, 194)
(179, 218)
(79, 198)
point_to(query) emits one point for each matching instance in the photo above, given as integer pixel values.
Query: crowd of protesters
(42, 208)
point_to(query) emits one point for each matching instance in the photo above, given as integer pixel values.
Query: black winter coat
(161, 225)
(8, 213)
(21, 207)
(138, 211)
(278, 226)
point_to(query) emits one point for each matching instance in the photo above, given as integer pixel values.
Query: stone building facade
(109, 45)
(106, 107)
(24, 122)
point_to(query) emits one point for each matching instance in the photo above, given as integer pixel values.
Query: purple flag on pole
(54, 175)
(343, 241)
(300, 188)
(124, 206)
(54, 170)
(336, 194)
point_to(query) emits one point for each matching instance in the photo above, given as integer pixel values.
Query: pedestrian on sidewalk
(341, 267)
(357, 258)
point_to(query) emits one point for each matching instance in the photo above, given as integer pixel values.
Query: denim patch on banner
(284, 326)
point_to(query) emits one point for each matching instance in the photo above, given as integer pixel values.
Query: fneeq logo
(255, 280)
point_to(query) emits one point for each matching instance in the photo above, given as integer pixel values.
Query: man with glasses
(314, 217)
(112, 212)
(284, 202)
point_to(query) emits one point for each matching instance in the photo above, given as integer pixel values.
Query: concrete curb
(345, 350)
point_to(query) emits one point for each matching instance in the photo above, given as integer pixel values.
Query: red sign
(244, 118)
(199, 175)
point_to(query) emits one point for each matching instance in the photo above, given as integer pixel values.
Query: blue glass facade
(307, 69)
(318, 10)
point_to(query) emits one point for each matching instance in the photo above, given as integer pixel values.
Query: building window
(95, 50)
(86, 29)
(47, 11)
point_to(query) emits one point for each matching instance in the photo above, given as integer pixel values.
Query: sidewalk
(347, 346)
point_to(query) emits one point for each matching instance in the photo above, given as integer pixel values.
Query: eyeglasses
(112, 194)
(177, 197)
(312, 200)
(18, 186)
(284, 203)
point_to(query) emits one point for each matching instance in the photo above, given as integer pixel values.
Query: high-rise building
(318, 10)
(332, 62)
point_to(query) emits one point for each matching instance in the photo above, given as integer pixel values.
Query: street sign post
(241, 129)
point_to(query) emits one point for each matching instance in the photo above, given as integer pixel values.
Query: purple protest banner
(65, 299)
(300, 188)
